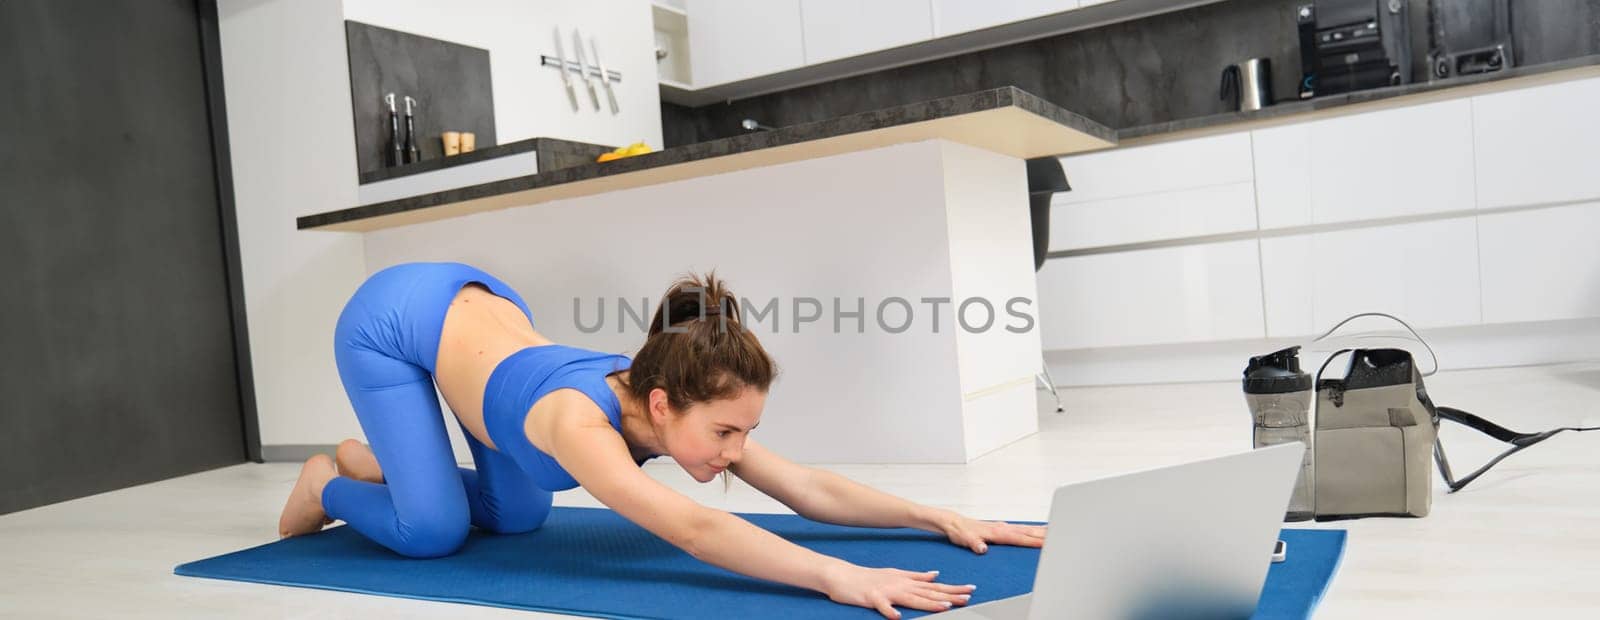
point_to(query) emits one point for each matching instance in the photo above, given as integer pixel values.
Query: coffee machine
(1349, 45)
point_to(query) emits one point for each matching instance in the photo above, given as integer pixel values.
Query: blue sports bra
(526, 376)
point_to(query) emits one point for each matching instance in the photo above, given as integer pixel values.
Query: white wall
(287, 89)
(529, 101)
(290, 136)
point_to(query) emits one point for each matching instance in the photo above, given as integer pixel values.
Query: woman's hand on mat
(885, 588)
(976, 535)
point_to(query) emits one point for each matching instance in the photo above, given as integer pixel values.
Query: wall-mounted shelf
(672, 39)
(668, 12)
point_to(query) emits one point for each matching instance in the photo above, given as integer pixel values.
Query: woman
(542, 417)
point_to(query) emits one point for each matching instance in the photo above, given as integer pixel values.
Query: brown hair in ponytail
(697, 350)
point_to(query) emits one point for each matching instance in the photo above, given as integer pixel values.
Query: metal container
(1247, 86)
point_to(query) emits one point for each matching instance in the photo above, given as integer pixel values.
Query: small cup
(452, 143)
(469, 141)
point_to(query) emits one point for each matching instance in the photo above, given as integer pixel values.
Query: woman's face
(707, 438)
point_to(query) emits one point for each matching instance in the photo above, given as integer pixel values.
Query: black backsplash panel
(1152, 70)
(449, 81)
(1550, 30)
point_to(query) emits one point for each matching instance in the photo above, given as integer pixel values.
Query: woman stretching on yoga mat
(542, 417)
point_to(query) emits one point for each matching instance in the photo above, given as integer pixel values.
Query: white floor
(1523, 541)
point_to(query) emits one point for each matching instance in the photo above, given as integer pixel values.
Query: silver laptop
(1188, 541)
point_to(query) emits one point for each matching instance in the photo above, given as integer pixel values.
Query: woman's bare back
(480, 330)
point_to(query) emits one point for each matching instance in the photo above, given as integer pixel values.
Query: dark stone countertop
(866, 121)
(1293, 108)
(560, 153)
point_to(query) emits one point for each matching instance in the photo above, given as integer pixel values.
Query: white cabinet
(1175, 190)
(1187, 164)
(1385, 164)
(1179, 214)
(1384, 211)
(958, 16)
(1538, 145)
(731, 40)
(835, 29)
(1283, 175)
(1425, 273)
(1192, 293)
(1541, 265)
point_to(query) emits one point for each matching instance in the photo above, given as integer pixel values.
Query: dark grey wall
(1548, 30)
(450, 82)
(1151, 70)
(116, 324)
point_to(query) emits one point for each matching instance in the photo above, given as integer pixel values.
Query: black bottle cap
(1276, 373)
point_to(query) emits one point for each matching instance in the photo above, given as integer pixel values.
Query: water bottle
(1279, 395)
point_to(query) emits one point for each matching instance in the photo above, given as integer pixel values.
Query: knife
(583, 68)
(605, 76)
(566, 80)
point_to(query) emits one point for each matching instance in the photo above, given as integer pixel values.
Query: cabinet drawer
(1391, 163)
(1167, 295)
(1541, 265)
(1425, 273)
(958, 16)
(837, 29)
(732, 40)
(1157, 168)
(1153, 217)
(1538, 145)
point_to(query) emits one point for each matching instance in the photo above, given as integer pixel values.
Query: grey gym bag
(1376, 438)
(1373, 433)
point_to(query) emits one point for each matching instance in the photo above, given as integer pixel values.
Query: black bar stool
(1045, 180)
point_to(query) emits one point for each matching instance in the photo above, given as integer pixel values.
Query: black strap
(1518, 441)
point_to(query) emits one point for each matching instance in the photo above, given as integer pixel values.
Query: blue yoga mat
(592, 562)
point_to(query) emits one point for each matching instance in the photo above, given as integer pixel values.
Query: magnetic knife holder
(573, 66)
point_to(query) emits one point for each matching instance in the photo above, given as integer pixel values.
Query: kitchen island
(884, 258)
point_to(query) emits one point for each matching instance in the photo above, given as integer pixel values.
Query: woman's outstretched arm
(588, 447)
(824, 496)
(597, 458)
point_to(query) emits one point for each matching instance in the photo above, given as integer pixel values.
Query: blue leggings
(386, 344)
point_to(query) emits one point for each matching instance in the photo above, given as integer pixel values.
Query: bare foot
(303, 513)
(357, 461)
